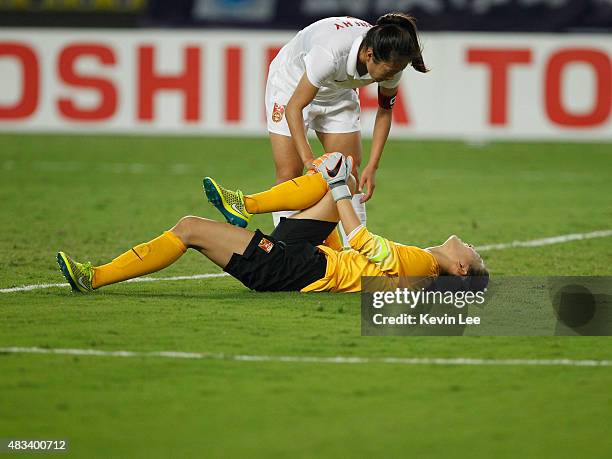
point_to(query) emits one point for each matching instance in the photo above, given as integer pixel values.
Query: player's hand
(336, 170)
(312, 167)
(308, 162)
(367, 181)
(309, 165)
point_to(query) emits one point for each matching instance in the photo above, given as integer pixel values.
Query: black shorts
(287, 260)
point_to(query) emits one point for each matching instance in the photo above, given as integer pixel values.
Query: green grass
(95, 197)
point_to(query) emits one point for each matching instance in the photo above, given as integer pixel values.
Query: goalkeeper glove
(336, 170)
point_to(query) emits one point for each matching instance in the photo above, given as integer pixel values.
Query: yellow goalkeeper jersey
(371, 255)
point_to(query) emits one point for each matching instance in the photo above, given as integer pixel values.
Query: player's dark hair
(395, 36)
(476, 280)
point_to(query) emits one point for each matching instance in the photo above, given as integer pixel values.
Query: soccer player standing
(313, 83)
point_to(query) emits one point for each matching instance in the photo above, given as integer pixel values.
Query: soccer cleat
(229, 203)
(79, 275)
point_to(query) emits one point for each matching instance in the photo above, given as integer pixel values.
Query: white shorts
(339, 115)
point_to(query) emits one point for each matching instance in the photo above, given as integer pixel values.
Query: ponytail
(395, 36)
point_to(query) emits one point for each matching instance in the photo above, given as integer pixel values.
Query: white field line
(26, 288)
(545, 241)
(483, 248)
(310, 359)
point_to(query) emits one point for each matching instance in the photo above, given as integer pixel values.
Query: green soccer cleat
(229, 203)
(79, 275)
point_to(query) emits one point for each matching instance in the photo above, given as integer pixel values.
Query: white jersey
(327, 52)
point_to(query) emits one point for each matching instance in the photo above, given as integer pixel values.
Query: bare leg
(326, 209)
(288, 166)
(286, 158)
(288, 163)
(215, 240)
(219, 241)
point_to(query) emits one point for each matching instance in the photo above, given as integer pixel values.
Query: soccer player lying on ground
(294, 257)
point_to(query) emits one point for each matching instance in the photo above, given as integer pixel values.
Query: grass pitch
(95, 197)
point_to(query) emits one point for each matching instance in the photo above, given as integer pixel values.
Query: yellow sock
(297, 194)
(143, 259)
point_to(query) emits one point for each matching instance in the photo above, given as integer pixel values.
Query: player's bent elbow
(290, 109)
(294, 108)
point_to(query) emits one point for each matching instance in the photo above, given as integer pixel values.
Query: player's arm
(375, 248)
(348, 217)
(303, 95)
(336, 170)
(382, 126)
(319, 66)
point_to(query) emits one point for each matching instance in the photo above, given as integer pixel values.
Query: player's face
(464, 253)
(381, 70)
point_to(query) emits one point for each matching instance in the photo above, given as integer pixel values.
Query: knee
(288, 172)
(185, 228)
(285, 175)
